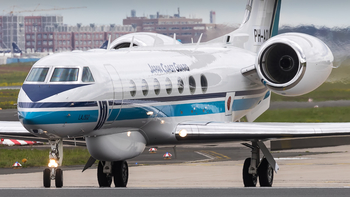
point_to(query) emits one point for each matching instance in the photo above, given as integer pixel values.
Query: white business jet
(147, 89)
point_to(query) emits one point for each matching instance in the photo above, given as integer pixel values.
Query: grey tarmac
(170, 192)
(306, 168)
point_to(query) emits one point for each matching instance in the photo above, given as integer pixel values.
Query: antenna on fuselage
(174, 38)
(132, 42)
(199, 40)
(192, 40)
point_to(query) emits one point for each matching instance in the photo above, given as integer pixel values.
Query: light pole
(78, 25)
(112, 28)
(11, 37)
(55, 38)
(92, 25)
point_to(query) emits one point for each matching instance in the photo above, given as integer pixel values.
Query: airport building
(11, 30)
(185, 29)
(49, 34)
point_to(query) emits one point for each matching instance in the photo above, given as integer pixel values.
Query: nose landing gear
(54, 172)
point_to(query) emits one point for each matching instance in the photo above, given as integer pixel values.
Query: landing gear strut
(118, 170)
(254, 168)
(54, 172)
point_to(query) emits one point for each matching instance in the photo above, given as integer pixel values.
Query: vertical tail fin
(16, 48)
(260, 22)
(104, 45)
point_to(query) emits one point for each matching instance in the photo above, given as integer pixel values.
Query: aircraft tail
(261, 20)
(16, 48)
(104, 45)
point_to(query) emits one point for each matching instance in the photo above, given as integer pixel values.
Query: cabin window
(144, 87)
(87, 75)
(192, 84)
(132, 88)
(37, 75)
(204, 84)
(168, 86)
(180, 85)
(156, 86)
(65, 74)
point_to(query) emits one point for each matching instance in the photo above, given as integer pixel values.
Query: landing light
(128, 133)
(183, 133)
(53, 163)
(162, 122)
(150, 113)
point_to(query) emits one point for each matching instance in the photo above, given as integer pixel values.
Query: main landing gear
(54, 172)
(255, 168)
(118, 170)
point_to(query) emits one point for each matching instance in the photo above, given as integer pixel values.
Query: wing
(249, 131)
(15, 130)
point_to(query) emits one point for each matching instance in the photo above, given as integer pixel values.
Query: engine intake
(280, 63)
(293, 64)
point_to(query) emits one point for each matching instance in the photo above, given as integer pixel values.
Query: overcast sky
(331, 13)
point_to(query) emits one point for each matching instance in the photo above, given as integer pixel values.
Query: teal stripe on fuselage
(136, 111)
(58, 117)
(178, 110)
(190, 109)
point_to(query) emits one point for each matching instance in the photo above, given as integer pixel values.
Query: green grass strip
(40, 157)
(326, 114)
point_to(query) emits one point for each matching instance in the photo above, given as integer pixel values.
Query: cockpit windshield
(87, 76)
(65, 74)
(37, 75)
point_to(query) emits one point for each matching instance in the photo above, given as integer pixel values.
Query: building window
(44, 36)
(39, 36)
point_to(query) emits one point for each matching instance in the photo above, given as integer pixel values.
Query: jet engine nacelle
(142, 39)
(293, 64)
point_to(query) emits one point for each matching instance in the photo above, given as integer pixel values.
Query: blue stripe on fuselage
(57, 104)
(37, 92)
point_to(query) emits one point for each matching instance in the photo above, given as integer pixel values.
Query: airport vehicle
(149, 89)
